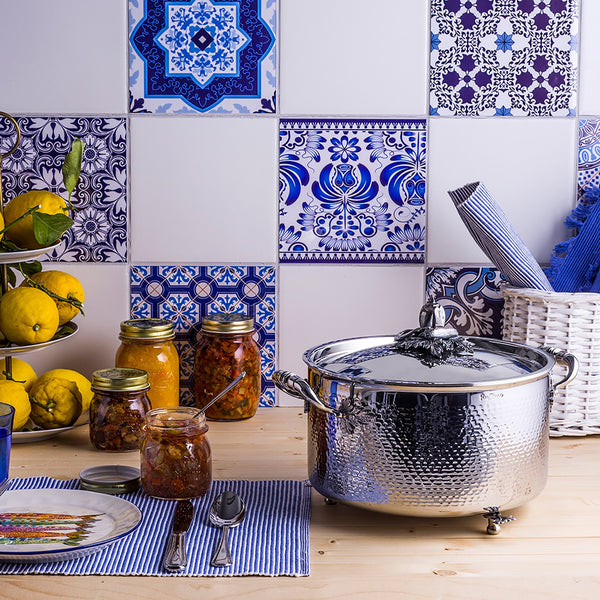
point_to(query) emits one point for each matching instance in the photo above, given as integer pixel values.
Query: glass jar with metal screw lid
(148, 344)
(226, 347)
(118, 409)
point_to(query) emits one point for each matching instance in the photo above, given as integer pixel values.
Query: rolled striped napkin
(494, 234)
(272, 540)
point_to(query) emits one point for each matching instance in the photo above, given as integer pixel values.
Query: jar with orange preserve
(226, 347)
(175, 454)
(148, 344)
(118, 409)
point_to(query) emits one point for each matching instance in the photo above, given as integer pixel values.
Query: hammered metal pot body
(429, 454)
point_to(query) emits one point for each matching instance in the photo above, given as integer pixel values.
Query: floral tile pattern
(588, 173)
(202, 56)
(504, 57)
(471, 297)
(184, 294)
(99, 232)
(352, 191)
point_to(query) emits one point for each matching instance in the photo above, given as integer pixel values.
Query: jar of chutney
(118, 409)
(226, 347)
(175, 458)
(148, 344)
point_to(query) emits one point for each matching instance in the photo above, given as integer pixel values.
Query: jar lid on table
(147, 329)
(120, 379)
(228, 323)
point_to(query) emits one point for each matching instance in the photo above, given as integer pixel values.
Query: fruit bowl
(24, 255)
(38, 435)
(15, 350)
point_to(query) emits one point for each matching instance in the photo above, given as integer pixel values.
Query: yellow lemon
(21, 233)
(1, 226)
(83, 383)
(55, 403)
(22, 372)
(64, 285)
(16, 395)
(28, 316)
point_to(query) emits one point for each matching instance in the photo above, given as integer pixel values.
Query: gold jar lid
(120, 379)
(147, 329)
(228, 323)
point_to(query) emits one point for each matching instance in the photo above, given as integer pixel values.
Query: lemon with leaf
(22, 372)
(55, 402)
(84, 385)
(65, 289)
(28, 316)
(16, 395)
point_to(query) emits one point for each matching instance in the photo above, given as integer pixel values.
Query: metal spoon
(227, 389)
(227, 510)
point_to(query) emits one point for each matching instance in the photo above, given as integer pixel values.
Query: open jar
(226, 347)
(118, 409)
(176, 459)
(148, 344)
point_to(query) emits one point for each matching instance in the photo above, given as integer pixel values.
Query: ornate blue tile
(352, 191)
(184, 294)
(99, 232)
(504, 57)
(588, 172)
(202, 56)
(471, 297)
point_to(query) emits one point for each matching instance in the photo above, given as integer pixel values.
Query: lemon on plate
(22, 372)
(28, 316)
(55, 402)
(84, 385)
(16, 395)
(64, 285)
(21, 233)
(1, 226)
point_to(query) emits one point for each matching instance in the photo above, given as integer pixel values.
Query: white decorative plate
(38, 435)
(24, 255)
(72, 523)
(13, 350)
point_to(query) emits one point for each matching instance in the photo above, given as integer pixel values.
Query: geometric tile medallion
(184, 294)
(471, 298)
(352, 191)
(588, 171)
(202, 56)
(99, 231)
(504, 57)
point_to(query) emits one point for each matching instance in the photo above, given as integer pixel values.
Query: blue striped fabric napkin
(272, 540)
(494, 234)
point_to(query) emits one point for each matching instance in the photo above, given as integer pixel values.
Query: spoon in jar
(227, 510)
(227, 389)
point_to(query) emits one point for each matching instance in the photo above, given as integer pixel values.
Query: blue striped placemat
(272, 540)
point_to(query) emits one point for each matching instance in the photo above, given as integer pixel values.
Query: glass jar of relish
(175, 454)
(118, 409)
(148, 344)
(226, 347)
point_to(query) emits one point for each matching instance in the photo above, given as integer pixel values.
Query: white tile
(203, 189)
(348, 57)
(320, 304)
(63, 56)
(589, 59)
(106, 305)
(529, 167)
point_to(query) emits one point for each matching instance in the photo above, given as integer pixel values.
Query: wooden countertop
(551, 551)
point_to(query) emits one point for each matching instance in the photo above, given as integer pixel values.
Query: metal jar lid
(147, 329)
(110, 479)
(431, 358)
(227, 323)
(120, 379)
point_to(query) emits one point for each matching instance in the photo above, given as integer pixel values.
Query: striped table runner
(272, 540)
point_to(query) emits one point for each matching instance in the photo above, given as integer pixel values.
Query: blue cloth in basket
(494, 234)
(272, 540)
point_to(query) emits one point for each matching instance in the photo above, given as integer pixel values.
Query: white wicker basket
(568, 322)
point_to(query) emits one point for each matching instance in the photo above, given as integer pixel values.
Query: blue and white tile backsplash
(287, 199)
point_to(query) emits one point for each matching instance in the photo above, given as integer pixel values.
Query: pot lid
(433, 356)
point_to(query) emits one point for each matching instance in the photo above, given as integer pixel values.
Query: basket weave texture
(570, 322)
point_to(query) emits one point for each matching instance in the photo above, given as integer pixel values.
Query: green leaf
(8, 246)
(28, 268)
(49, 228)
(71, 168)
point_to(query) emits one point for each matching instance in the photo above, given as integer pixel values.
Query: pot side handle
(567, 360)
(299, 388)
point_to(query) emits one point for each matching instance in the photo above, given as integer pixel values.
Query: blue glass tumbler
(7, 413)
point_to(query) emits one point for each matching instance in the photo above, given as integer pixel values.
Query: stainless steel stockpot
(429, 423)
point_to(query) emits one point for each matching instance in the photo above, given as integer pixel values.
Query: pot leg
(495, 519)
